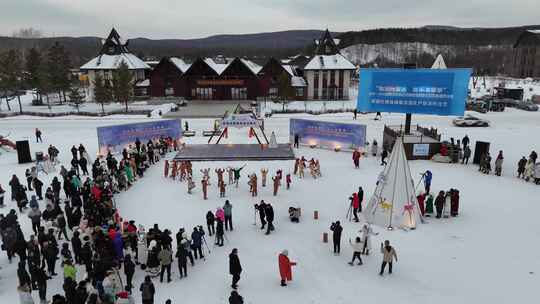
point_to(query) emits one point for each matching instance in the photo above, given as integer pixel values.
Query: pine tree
(285, 90)
(123, 84)
(33, 73)
(75, 96)
(58, 69)
(102, 92)
(11, 76)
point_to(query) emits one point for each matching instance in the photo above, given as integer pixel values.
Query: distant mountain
(487, 50)
(277, 44)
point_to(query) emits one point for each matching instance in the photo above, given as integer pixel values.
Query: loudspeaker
(23, 151)
(480, 148)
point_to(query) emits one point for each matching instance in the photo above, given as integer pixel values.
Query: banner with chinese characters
(422, 91)
(116, 138)
(239, 121)
(329, 135)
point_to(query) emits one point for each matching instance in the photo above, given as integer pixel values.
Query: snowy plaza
(487, 254)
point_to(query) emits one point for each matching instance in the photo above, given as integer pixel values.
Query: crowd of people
(81, 229)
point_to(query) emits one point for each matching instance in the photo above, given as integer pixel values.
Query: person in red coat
(421, 198)
(356, 159)
(285, 267)
(288, 180)
(355, 205)
(454, 202)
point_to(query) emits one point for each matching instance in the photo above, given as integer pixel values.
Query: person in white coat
(111, 285)
(446, 208)
(366, 232)
(357, 250)
(25, 295)
(529, 170)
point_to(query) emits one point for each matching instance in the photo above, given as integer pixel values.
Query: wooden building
(328, 73)
(113, 52)
(527, 55)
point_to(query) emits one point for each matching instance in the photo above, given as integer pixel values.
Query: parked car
(476, 105)
(527, 106)
(470, 121)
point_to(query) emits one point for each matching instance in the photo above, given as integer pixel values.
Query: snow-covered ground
(489, 254)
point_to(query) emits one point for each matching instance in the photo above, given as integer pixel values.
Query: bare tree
(29, 32)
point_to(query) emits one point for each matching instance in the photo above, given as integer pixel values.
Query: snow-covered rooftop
(255, 68)
(534, 31)
(180, 64)
(297, 81)
(329, 62)
(218, 67)
(288, 68)
(439, 63)
(112, 62)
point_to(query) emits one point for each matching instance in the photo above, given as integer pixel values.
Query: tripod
(348, 215)
(204, 241)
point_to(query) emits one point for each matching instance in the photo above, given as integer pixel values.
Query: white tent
(439, 63)
(394, 204)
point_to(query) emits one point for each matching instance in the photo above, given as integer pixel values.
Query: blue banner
(116, 138)
(422, 91)
(328, 135)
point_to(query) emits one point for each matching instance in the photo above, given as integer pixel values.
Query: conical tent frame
(398, 155)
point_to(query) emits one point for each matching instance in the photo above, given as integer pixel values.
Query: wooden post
(316, 215)
(325, 237)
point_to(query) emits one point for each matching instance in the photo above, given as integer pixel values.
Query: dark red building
(223, 79)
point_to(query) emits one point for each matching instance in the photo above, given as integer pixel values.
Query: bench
(188, 133)
(209, 133)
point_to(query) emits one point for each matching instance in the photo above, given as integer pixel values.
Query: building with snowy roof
(113, 52)
(328, 73)
(527, 55)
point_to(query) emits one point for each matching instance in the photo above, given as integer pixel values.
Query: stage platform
(234, 152)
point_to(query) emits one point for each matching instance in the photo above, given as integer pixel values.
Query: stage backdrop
(328, 134)
(423, 91)
(116, 138)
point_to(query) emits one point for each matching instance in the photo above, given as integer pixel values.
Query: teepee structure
(394, 204)
(439, 63)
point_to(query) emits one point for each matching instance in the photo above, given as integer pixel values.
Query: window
(299, 92)
(239, 93)
(273, 92)
(316, 80)
(204, 93)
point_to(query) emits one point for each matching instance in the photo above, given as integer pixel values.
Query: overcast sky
(200, 18)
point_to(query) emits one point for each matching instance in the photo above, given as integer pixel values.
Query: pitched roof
(114, 44)
(112, 62)
(217, 67)
(289, 69)
(326, 45)
(255, 68)
(180, 64)
(329, 62)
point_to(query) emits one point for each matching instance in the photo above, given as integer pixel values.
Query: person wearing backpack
(147, 291)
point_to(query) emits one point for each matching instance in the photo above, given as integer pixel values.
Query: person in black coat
(129, 270)
(70, 290)
(147, 290)
(50, 252)
(384, 155)
(86, 256)
(29, 179)
(360, 197)
(22, 274)
(220, 231)
(76, 244)
(38, 186)
(235, 268)
(75, 165)
(439, 203)
(210, 220)
(56, 188)
(182, 256)
(74, 152)
(83, 164)
(235, 298)
(269, 212)
(14, 184)
(336, 236)
(262, 214)
(40, 277)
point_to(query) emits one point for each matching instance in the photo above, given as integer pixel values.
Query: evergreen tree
(33, 74)
(123, 84)
(11, 76)
(285, 90)
(58, 69)
(102, 92)
(75, 96)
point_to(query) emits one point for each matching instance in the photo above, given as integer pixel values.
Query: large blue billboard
(328, 135)
(423, 91)
(116, 138)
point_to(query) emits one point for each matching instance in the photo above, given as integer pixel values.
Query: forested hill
(437, 35)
